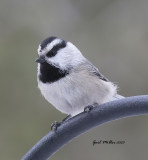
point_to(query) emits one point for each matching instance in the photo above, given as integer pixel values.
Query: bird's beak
(40, 60)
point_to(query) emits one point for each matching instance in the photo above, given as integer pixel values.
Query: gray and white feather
(68, 80)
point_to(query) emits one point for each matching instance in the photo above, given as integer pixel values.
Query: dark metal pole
(83, 122)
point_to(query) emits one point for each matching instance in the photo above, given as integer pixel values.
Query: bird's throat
(50, 73)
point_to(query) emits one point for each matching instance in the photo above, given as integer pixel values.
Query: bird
(68, 80)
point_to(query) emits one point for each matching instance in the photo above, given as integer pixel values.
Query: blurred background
(112, 34)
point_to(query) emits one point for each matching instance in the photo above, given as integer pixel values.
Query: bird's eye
(51, 53)
(56, 48)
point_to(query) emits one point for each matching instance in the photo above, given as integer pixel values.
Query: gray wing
(96, 72)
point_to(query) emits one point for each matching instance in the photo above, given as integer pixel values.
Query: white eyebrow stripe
(52, 44)
(49, 46)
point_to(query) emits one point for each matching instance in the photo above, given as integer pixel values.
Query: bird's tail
(116, 97)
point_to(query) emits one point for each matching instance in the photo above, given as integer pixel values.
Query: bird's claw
(88, 108)
(55, 125)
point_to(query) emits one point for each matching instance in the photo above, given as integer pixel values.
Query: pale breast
(71, 94)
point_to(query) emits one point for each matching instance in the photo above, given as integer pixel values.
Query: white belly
(71, 94)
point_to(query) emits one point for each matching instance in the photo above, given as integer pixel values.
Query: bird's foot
(88, 108)
(55, 125)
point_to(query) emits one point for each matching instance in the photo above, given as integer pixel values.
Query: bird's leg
(66, 118)
(90, 107)
(56, 124)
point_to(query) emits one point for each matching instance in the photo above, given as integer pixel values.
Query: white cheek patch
(67, 57)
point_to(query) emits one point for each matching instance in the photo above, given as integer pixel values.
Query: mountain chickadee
(68, 80)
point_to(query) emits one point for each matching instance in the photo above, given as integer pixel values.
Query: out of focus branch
(83, 122)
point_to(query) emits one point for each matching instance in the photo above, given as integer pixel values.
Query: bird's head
(59, 53)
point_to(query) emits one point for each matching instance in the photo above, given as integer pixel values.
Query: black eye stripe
(56, 48)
